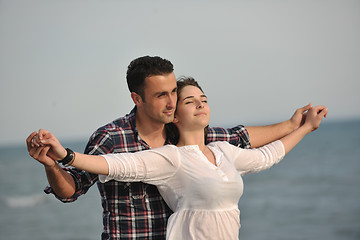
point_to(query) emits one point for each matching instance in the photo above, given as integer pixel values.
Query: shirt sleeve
(152, 166)
(258, 159)
(237, 136)
(100, 143)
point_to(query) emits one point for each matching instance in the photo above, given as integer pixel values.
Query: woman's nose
(200, 104)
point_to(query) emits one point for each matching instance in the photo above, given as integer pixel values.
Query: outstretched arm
(151, 166)
(259, 159)
(262, 135)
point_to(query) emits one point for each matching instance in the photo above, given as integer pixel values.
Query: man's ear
(136, 98)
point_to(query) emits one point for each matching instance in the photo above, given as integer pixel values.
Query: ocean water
(312, 194)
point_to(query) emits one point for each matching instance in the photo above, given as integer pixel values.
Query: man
(136, 210)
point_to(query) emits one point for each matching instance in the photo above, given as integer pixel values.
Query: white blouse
(204, 197)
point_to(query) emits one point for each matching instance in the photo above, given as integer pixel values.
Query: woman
(200, 183)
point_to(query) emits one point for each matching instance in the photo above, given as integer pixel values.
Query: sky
(63, 63)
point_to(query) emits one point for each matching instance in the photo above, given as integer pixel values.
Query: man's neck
(152, 133)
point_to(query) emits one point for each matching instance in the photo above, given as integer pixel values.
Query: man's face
(160, 97)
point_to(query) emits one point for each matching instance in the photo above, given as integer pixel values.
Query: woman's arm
(150, 166)
(259, 159)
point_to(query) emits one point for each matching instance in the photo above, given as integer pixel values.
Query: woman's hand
(45, 148)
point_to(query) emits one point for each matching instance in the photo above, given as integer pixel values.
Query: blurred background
(63, 66)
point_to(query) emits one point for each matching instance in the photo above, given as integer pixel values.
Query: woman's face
(192, 110)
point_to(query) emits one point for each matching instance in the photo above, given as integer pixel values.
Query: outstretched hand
(45, 148)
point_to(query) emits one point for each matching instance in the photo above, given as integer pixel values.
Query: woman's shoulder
(165, 148)
(220, 144)
(223, 146)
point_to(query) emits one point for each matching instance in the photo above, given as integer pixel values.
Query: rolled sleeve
(237, 136)
(83, 181)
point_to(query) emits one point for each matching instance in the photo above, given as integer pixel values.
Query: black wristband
(69, 157)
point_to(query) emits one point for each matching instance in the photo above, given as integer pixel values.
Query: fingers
(41, 155)
(316, 115)
(319, 109)
(305, 108)
(49, 141)
(35, 152)
(323, 112)
(29, 140)
(40, 147)
(49, 138)
(43, 134)
(35, 138)
(44, 151)
(35, 141)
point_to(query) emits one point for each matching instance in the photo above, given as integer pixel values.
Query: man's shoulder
(213, 131)
(237, 135)
(121, 124)
(118, 134)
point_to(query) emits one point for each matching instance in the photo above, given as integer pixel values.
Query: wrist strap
(70, 156)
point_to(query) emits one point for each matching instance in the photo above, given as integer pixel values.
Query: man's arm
(60, 180)
(262, 135)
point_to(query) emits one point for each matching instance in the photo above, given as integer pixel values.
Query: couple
(136, 209)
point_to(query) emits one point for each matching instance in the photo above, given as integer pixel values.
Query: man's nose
(171, 102)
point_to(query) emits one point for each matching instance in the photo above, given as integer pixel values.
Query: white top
(204, 197)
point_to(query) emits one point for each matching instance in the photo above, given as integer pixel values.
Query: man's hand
(298, 119)
(45, 148)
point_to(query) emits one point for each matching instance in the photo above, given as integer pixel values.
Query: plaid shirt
(134, 210)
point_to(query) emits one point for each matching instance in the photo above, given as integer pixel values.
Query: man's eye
(188, 102)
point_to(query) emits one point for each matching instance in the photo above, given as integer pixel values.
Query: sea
(313, 193)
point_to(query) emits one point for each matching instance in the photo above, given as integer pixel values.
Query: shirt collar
(132, 121)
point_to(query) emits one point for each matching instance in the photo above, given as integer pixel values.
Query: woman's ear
(175, 120)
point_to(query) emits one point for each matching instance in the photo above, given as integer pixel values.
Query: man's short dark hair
(143, 67)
